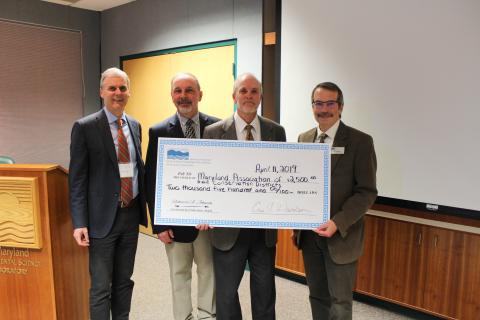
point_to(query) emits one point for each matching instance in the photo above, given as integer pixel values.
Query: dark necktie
(126, 189)
(323, 136)
(249, 135)
(190, 130)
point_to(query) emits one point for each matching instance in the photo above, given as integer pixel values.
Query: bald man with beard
(183, 245)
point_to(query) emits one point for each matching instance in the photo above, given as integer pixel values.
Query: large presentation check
(249, 184)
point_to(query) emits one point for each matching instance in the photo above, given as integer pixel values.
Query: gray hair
(114, 72)
(242, 77)
(184, 75)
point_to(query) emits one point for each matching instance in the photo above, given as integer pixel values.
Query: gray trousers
(330, 284)
(229, 268)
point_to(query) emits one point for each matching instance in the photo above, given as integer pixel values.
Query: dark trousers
(111, 266)
(330, 284)
(229, 268)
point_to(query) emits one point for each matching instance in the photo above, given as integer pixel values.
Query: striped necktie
(126, 189)
(190, 130)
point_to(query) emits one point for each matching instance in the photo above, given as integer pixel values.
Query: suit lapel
(135, 132)
(229, 130)
(175, 128)
(106, 134)
(203, 123)
(341, 140)
(310, 136)
(265, 130)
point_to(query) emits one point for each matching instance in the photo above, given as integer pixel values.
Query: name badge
(338, 150)
(126, 170)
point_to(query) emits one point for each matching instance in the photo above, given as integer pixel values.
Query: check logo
(178, 154)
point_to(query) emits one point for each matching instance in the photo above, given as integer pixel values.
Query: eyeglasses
(329, 104)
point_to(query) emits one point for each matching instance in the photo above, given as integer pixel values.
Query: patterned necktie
(126, 193)
(190, 130)
(249, 136)
(323, 136)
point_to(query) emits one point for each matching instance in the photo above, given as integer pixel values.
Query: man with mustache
(331, 251)
(234, 247)
(183, 245)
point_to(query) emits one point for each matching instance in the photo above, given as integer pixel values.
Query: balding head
(242, 78)
(186, 93)
(184, 75)
(247, 94)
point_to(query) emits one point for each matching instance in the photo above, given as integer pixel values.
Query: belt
(123, 205)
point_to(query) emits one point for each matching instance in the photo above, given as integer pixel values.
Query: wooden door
(441, 271)
(390, 265)
(150, 75)
(468, 266)
(452, 285)
(370, 273)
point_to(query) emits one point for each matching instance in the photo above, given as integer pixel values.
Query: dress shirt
(331, 132)
(240, 128)
(196, 124)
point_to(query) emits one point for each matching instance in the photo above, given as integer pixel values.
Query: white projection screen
(409, 71)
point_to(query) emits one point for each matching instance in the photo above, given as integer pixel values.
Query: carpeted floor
(152, 296)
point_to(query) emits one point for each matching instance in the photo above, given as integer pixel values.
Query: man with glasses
(331, 251)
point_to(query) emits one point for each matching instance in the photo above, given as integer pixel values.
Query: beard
(182, 109)
(248, 108)
(184, 106)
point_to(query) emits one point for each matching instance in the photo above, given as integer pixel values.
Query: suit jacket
(353, 190)
(169, 128)
(94, 178)
(225, 238)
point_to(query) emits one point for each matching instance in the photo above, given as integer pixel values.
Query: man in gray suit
(234, 247)
(107, 200)
(331, 251)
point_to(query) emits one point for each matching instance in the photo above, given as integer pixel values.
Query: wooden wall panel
(288, 258)
(427, 268)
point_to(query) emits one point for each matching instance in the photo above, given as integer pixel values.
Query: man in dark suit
(107, 200)
(233, 247)
(331, 251)
(183, 245)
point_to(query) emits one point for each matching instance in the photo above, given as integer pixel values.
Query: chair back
(6, 160)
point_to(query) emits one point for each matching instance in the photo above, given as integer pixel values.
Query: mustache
(324, 114)
(184, 101)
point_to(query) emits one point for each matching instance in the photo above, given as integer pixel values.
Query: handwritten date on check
(247, 184)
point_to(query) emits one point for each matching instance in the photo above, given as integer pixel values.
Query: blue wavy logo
(178, 154)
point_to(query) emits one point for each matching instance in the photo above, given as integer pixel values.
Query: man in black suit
(183, 245)
(107, 200)
(233, 247)
(331, 251)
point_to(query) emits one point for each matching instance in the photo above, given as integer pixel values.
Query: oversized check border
(183, 217)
